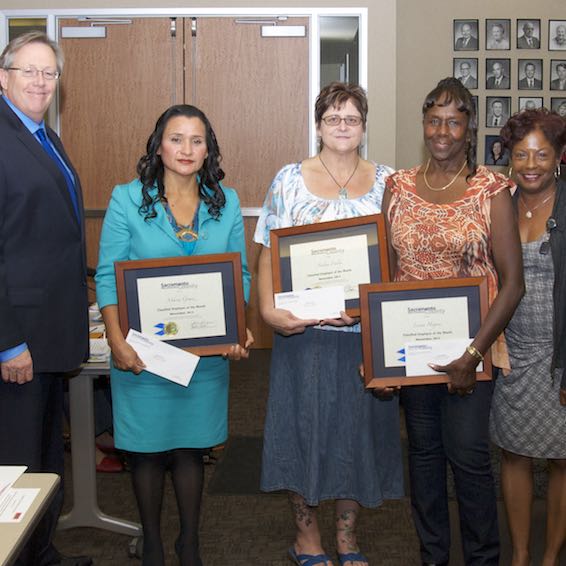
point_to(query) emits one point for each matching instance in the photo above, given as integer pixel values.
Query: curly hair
(523, 123)
(450, 90)
(151, 171)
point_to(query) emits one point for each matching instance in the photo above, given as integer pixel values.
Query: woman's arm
(280, 320)
(507, 256)
(123, 355)
(392, 254)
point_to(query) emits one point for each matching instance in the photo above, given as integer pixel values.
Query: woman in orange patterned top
(447, 218)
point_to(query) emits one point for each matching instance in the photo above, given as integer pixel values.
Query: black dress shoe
(74, 561)
(435, 563)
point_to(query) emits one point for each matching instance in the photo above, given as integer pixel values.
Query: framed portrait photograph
(530, 102)
(495, 154)
(497, 34)
(193, 302)
(528, 33)
(476, 108)
(326, 255)
(498, 74)
(558, 105)
(465, 33)
(466, 71)
(558, 74)
(557, 35)
(407, 325)
(497, 111)
(529, 74)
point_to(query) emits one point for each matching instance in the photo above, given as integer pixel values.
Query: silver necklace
(529, 213)
(342, 189)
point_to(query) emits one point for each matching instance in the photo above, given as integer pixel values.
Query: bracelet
(473, 351)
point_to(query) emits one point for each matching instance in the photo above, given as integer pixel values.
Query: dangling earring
(557, 172)
(510, 172)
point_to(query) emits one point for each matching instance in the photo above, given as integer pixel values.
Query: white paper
(327, 263)
(162, 359)
(421, 320)
(419, 354)
(316, 304)
(8, 475)
(182, 306)
(15, 502)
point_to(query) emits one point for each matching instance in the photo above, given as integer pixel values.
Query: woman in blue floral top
(326, 437)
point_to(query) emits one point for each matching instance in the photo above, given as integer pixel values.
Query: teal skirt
(152, 414)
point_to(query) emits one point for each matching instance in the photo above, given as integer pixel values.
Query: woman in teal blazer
(176, 207)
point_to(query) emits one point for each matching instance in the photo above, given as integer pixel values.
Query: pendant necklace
(445, 186)
(185, 233)
(529, 213)
(342, 189)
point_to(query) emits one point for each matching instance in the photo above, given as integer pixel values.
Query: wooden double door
(254, 91)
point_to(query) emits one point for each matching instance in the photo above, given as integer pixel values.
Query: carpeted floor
(242, 527)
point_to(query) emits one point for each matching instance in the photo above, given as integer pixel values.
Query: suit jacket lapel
(34, 147)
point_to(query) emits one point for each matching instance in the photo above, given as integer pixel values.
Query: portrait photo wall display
(513, 65)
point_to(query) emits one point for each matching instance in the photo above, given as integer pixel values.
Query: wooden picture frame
(296, 240)
(181, 292)
(383, 358)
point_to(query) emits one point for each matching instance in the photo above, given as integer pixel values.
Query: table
(85, 511)
(14, 535)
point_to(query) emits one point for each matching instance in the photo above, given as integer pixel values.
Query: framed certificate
(192, 302)
(344, 253)
(407, 325)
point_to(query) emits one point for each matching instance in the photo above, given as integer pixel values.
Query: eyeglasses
(32, 72)
(545, 246)
(335, 120)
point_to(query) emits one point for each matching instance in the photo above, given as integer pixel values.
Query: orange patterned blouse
(443, 241)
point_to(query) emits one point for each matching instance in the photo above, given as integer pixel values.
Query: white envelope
(162, 359)
(316, 304)
(419, 354)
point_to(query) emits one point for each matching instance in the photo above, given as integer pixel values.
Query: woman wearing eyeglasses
(528, 414)
(326, 437)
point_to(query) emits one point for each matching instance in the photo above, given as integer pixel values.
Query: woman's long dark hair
(450, 90)
(150, 167)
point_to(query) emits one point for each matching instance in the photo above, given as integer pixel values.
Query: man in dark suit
(497, 78)
(560, 82)
(529, 81)
(497, 116)
(466, 77)
(467, 41)
(528, 40)
(43, 293)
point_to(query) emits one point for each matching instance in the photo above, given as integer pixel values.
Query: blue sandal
(351, 557)
(307, 559)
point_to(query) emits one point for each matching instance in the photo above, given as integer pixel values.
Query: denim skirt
(326, 436)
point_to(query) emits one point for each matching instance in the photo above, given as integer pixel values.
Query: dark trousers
(31, 423)
(448, 428)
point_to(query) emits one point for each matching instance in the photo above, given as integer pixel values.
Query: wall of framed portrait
(517, 56)
(511, 55)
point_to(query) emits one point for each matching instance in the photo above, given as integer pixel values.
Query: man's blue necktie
(58, 161)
